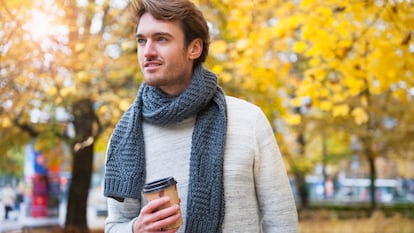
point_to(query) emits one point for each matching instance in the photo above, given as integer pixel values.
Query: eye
(141, 41)
(162, 39)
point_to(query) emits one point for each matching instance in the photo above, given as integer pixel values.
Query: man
(220, 149)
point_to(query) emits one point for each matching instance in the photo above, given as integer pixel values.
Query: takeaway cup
(160, 188)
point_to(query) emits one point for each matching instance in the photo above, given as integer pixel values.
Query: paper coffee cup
(160, 188)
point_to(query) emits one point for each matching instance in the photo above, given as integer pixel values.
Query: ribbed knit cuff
(197, 226)
(120, 188)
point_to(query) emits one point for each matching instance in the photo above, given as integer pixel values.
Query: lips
(151, 64)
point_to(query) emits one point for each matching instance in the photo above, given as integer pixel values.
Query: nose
(149, 50)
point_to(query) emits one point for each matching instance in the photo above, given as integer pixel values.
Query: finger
(165, 222)
(167, 231)
(165, 213)
(154, 219)
(154, 205)
(171, 231)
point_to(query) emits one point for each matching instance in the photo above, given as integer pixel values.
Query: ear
(195, 49)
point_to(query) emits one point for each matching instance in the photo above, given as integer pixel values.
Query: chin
(152, 82)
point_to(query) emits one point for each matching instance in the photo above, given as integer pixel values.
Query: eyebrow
(155, 34)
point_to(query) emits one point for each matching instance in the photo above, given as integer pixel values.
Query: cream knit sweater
(258, 197)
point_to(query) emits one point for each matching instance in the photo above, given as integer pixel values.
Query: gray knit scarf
(125, 163)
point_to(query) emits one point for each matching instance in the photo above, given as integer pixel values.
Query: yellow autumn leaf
(79, 47)
(103, 109)
(325, 12)
(277, 31)
(218, 47)
(323, 92)
(360, 115)
(296, 102)
(340, 110)
(294, 119)
(299, 47)
(66, 91)
(339, 97)
(401, 95)
(6, 123)
(294, 21)
(314, 61)
(364, 101)
(124, 104)
(325, 105)
(242, 44)
(51, 91)
(226, 77)
(21, 80)
(82, 76)
(345, 43)
(82, 57)
(355, 85)
(217, 69)
(125, 46)
(249, 84)
(58, 100)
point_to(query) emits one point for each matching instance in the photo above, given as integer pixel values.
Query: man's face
(162, 56)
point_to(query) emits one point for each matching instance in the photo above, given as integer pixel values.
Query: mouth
(151, 64)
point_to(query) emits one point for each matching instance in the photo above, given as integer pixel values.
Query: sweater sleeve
(121, 215)
(276, 202)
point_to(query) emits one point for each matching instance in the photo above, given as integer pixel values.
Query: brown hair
(185, 12)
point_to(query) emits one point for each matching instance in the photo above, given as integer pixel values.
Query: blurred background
(334, 77)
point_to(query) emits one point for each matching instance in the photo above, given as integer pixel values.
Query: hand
(153, 219)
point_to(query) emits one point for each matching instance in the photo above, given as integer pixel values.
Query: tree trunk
(82, 165)
(302, 190)
(372, 188)
(370, 155)
(324, 164)
(300, 176)
(76, 219)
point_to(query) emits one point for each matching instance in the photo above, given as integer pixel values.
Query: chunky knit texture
(125, 165)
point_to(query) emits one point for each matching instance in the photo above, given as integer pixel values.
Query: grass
(327, 222)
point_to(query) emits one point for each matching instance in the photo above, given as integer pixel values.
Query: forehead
(148, 25)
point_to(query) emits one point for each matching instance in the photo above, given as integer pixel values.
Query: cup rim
(158, 185)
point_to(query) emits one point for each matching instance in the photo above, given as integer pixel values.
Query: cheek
(139, 53)
(140, 57)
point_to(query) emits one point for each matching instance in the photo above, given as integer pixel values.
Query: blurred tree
(357, 66)
(11, 164)
(241, 51)
(350, 60)
(67, 72)
(249, 54)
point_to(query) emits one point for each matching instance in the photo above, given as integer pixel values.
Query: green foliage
(11, 162)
